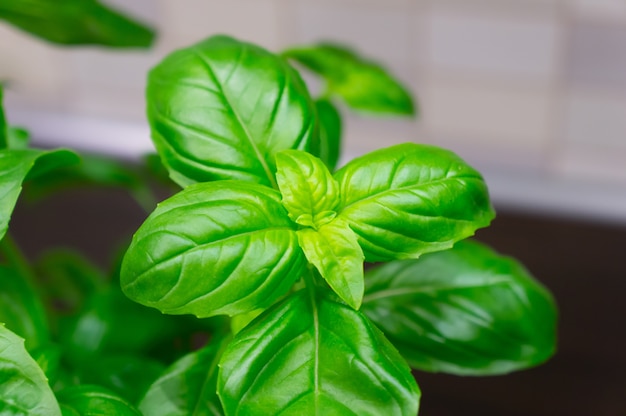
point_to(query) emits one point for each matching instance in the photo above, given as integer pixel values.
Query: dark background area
(582, 263)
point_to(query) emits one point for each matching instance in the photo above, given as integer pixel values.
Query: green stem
(16, 258)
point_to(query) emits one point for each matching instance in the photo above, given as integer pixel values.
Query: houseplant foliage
(265, 243)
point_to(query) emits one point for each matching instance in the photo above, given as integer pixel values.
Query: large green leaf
(465, 311)
(309, 192)
(18, 165)
(310, 355)
(335, 252)
(221, 109)
(363, 84)
(328, 145)
(225, 247)
(21, 309)
(75, 22)
(411, 199)
(24, 387)
(91, 400)
(188, 387)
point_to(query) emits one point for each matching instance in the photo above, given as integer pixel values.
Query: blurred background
(531, 92)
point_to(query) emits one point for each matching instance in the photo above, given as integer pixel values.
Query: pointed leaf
(75, 22)
(314, 356)
(94, 400)
(187, 387)
(411, 199)
(329, 142)
(336, 254)
(224, 247)
(16, 166)
(221, 109)
(466, 311)
(309, 192)
(363, 84)
(22, 310)
(25, 389)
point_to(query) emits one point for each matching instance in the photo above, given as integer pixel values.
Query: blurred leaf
(16, 166)
(126, 375)
(17, 138)
(3, 122)
(76, 22)
(466, 311)
(24, 388)
(21, 309)
(329, 145)
(48, 357)
(363, 84)
(187, 387)
(90, 400)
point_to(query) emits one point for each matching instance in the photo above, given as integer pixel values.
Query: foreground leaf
(363, 84)
(411, 199)
(335, 253)
(309, 356)
(215, 248)
(93, 400)
(18, 165)
(221, 109)
(25, 389)
(75, 22)
(466, 311)
(187, 387)
(21, 309)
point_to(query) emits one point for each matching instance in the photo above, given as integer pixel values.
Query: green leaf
(129, 376)
(335, 252)
(310, 355)
(224, 247)
(187, 387)
(19, 165)
(25, 390)
(309, 192)
(22, 310)
(48, 358)
(328, 146)
(363, 84)
(411, 199)
(17, 138)
(75, 22)
(109, 322)
(93, 400)
(221, 109)
(466, 311)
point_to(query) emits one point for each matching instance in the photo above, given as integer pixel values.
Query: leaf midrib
(227, 101)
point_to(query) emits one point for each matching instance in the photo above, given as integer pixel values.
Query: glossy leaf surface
(75, 22)
(466, 311)
(363, 84)
(24, 388)
(187, 387)
(93, 400)
(221, 109)
(16, 166)
(328, 147)
(306, 356)
(21, 309)
(224, 247)
(336, 254)
(309, 192)
(410, 199)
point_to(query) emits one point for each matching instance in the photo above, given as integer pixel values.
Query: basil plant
(267, 232)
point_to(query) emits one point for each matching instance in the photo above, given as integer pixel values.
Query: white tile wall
(494, 45)
(531, 91)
